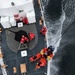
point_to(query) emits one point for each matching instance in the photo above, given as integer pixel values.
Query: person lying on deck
(45, 54)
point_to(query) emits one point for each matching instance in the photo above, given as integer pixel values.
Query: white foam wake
(52, 37)
(53, 34)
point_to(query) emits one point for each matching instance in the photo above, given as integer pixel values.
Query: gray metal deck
(14, 59)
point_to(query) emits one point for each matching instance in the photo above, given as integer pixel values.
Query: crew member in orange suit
(47, 53)
(44, 55)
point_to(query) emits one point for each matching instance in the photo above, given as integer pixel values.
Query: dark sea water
(60, 25)
(54, 8)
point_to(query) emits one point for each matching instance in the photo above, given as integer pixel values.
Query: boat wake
(53, 38)
(61, 61)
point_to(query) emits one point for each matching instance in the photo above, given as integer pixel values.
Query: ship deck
(14, 59)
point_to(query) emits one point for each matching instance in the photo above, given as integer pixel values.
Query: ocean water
(60, 21)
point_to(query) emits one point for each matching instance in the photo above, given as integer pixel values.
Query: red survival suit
(43, 30)
(23, 39)
(31, 36)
